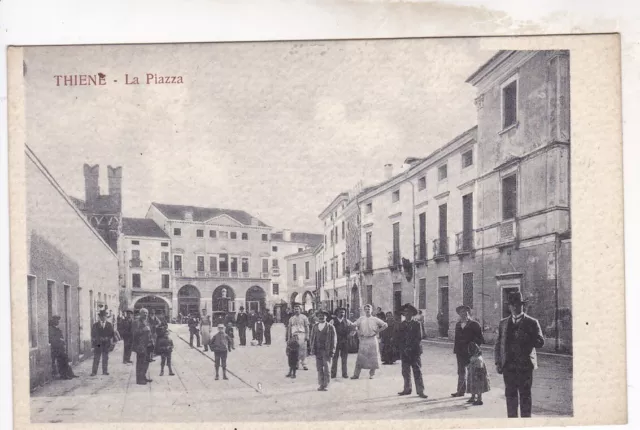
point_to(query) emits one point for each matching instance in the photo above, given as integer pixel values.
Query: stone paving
(258, 390)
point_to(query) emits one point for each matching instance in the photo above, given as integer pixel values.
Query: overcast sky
(276, 129)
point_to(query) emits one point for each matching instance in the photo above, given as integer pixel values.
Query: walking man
(409, 341)
(141, 344)
(467, 331)
(126, 332)
(343, 328)
(299, 326)
(101, 337)
(194, 330)
(242, 321)
(515, 354)
(268, 322)
(323, 346)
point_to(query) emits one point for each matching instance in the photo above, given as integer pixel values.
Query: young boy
(164, 347)
(293, 349)
(229, 331)
(220, 346)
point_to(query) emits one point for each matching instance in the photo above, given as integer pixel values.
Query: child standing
(164, 347)
(293, 349)
(477, 382)
(229, 331)
(220, 346)
(259, 330)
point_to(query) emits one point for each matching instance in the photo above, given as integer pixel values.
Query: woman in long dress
(368, 327)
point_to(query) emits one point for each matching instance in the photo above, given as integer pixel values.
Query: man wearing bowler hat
(101, 337)
(467, 331)
(515, 354)
(344, 328)
(409, 342)
(323, 346)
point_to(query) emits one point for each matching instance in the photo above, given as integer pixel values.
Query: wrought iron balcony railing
(394, 260)
(135, 262)
(440, 247)
(421, 251)
(265, 275)
(164, 264)
(464, 242)
(367, 264)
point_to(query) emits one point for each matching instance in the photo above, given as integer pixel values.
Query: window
(368, 208)
(467, 158)
(245, 236)
(395, 196)
(234, 264)
(332, 269)
(135, 242)
(336, 234)
(274, 248)
(422, 251)
(274, 263)
(223, 262)
(510, 104)
(442, 230)
(443, 281)
(422, 294)
(135, 280)
(200, 263)
(165, 281)
(33, 311)
(234, 235)
(295, 272)
(165, 244)
(344, 264)
(442, 172)
(224, 235)
(306, 270)
(467, 289)
(509, 197)
(275, 289)
(213, 234)
(332, 240)
(177, 232)
(396, 244)
(213, 264)
(199, 233)
(245, 264)
(51, 287)
(369, 295)
(343, 229)
(300, 249)
(177, 262)
(265, 237)
(265, 265)
(422, 183)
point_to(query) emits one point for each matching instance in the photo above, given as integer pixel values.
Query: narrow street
(257, 390)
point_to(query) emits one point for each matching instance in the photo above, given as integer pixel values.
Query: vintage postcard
(329, 232)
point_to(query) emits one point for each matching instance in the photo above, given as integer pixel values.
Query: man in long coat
(242, 321)
(467, 331)
(101, 338)
(141, 345)
(323, 346)
(409, 342)
(515, 354)
(126, 332)
(344, 328)
(268, 322)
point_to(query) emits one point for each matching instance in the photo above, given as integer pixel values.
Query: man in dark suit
(467, 331)
(344, 328)
(141, 343)
(194, 329)
(125, 327)
(515, 354)
(409, 342)
(268, 322)
(242, 321)
(101, 338)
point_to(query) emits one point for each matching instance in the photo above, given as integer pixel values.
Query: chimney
(388, 171)
(188, 215)
(115, 182)
(91, 184)
(286, 235)
(254, 221)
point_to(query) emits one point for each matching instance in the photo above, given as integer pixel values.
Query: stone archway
(222, 299)
(188, 300)
(307, 301)
(294, 297)
(159, 305)
(256, 299)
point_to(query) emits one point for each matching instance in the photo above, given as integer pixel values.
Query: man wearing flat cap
(343, 328)
(409, 342)
(467, 331)
(101, 338)
(515, 354)
(323, 346)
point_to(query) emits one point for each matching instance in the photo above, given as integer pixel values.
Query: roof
(200, 214)
(311, 239)
(488, 65)
(308, 251)
(142, 227)
(341, 196)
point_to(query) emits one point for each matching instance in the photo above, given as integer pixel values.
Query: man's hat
(220, 325)
(129, 311)
(241, 308)
(463, 307)
(322, 311)
(102, 313)
(409, 307)
(515, 299)
(338, 309)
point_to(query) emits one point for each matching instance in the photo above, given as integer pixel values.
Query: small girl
(293, 349)
(164, 347)
(477, 382)
(229, 331)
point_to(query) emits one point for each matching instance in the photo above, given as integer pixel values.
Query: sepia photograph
(292, 231)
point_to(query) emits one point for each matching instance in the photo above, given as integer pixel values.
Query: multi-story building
(144, 254)
(301, 269)
(72, 270)
(220, 258)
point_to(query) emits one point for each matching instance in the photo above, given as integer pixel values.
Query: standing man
(343, 328)
(299, 326)
(205, 329)
(194, 330)
(323, 345)
(409, 342)
(59, 349)
(154, 323)
(101, 338)
(141, 345)
(515, 353)
(467, 331)
(126, 331)
(368, 328)
(268, 322)
(242, 321)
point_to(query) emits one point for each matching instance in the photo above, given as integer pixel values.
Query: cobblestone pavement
(258, 390)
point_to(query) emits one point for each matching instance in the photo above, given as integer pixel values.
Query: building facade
(72, 271)
(301, 269)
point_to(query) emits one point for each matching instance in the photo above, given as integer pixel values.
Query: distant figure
(478, 382)
(126, 332)
(252, 323)
(368, 327)
(59, 349)
(242, 321)
(205, 329)
(101, 338)
(268, 322)
(141, 345)
(388, 340)
(220, 346)
(293, 352)
(380, 314)
(194, 330)
(299, 327)
(164, 348)
(154, 323)
(259, 330)
(229, 332)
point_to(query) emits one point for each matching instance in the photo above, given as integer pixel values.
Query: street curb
(490, 348)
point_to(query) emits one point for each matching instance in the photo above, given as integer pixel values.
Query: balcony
(233, 274)
(275, 271)
(178, 273)
(440, 249)
(135, 262)
(367, 264)
(222, 274)
(507, 233)
(395, 261)
(245, 275)
(201, 274)
(265, 275)
(464, 242)
(164, 264)
(421, 253)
